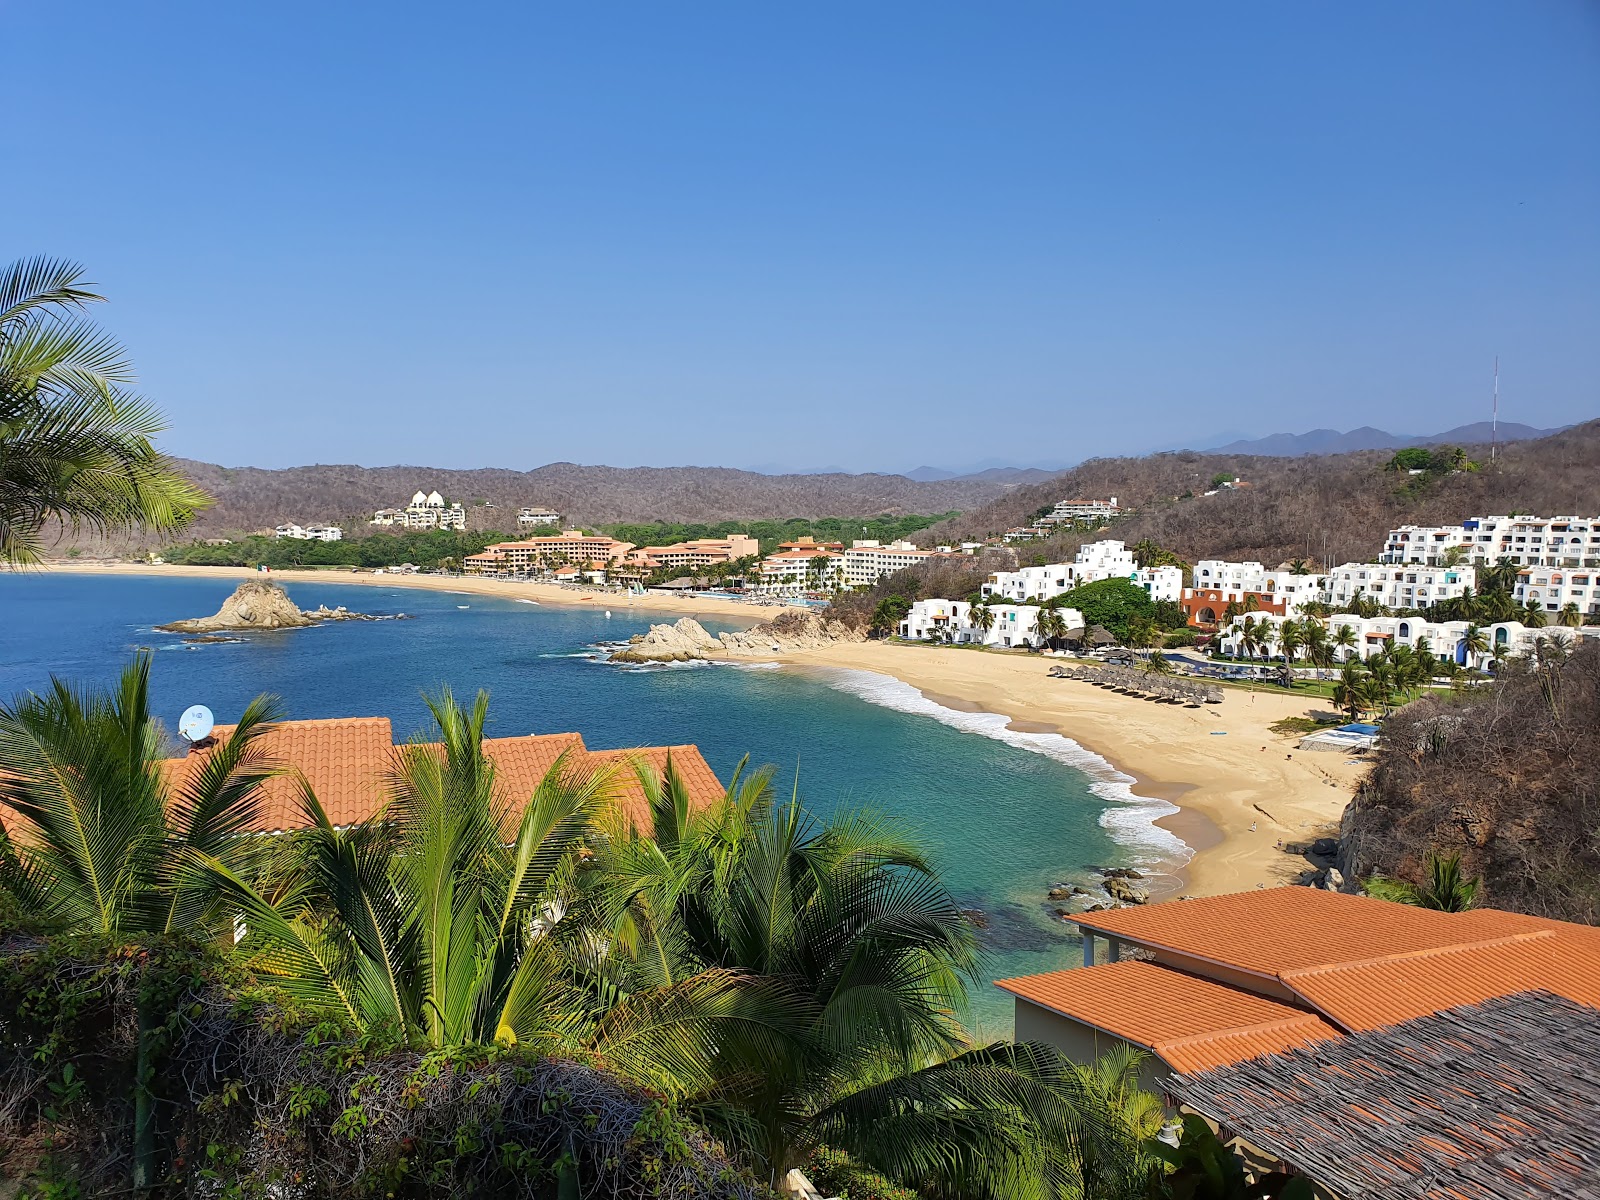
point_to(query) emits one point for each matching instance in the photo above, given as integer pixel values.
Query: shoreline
(1236, 788)
(543, 593)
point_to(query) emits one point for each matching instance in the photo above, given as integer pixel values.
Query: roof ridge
(1429, 952)
(1302, 1018)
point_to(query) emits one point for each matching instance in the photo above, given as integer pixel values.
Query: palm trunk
(144, 1102)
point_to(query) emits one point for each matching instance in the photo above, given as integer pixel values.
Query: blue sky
(872, 235)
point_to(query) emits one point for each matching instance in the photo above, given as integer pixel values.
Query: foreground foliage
(450, 978)
(74, 440)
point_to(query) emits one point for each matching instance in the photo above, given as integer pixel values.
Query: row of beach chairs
(1163, 689)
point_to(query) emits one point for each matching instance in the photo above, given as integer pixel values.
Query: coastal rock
(255, 604)
(681, 642)
(1120, 889)
(258, 604)
(1059, 893)
(1325, 847)
(1333, 881)
(1120, 873)
(976, 917)
(687, 639)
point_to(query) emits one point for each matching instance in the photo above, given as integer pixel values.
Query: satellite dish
(196, 723)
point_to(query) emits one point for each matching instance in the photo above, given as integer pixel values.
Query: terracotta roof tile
(346, 759)
(343, 759)
(1193, 1024)
(704, 787)
(1372, 995)
(1282, 929)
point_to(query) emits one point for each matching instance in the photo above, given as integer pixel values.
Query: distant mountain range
(1331, 441)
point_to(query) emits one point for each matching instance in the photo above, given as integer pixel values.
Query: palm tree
(1291, 637)
(74, 442)
(1344, 638)
(860, 957)
(1474, 642)
(447, 919)
(1571, 616)
(1532, 615)
(113, 840)
(1159, 664)
(1050, 626)
(114, 845)
(1300, 566)
(1349, 693)
(981, 618)
(1444, 886)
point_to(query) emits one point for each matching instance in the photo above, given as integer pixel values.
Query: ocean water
(1004, 814)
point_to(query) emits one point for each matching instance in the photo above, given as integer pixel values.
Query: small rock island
(260, 604)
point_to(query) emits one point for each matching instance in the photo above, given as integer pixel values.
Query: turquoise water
(1004, 819)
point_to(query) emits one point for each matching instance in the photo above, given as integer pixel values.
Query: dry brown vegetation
(253, 498)
(1341, 504)
(1506, 778)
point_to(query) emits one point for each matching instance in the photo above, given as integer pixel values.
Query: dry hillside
(253, 498)
(1298, 506)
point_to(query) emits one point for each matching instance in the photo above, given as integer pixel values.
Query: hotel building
(1397, 586)
(574, 548)
(701, 552)
(1524, 541)
(426, 511)
(1219, 583)
(533, 518)
(1095, 561)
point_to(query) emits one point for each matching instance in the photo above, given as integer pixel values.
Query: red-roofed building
(347, 760)
(1225, 979)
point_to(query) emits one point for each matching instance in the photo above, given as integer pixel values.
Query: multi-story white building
(426, 511)
(1070, 512)
(533, 518)
(1013, 625)
(1397, 586)
(1524, 541)
(865, 562)
(1372, 635)
(1553, 590)
(1219, 583)
(309, 533)
(1095, 561)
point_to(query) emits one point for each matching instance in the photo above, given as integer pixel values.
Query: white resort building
(309, 533)
(533, 518)
(1553, 590)
(1372, 635)
(951, 621)
(1070, 512)
(1095, 561)
(1484, 541)
(426, 511)
(1395, 586)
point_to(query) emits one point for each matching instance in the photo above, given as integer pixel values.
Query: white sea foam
(1128, 817)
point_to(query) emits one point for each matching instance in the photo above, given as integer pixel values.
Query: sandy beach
(544, 593)
(1240, 788)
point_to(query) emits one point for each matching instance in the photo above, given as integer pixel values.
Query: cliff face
(1508, 777)
(255, 604)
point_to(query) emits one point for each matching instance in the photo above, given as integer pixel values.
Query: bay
(1004, 815)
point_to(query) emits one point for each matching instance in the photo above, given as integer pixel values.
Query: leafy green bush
(835, 1175)
(1113, 603)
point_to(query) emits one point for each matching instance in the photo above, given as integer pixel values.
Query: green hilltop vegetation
(430, 549)
(771, 533)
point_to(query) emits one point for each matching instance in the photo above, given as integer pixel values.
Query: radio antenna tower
(1494, 420)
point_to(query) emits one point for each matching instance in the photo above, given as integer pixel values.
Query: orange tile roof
(704, 787)
(346, 759)
(1193, 1024)
(1281, 929)
(1371, 995)
(1360, 963)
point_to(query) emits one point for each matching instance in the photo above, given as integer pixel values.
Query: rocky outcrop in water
(259, 604)
(687, 639)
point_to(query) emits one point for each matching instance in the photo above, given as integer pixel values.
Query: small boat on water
(608, 614)
(463, 606)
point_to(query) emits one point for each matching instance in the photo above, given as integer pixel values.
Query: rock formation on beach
(688, 639)
(261, 604)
